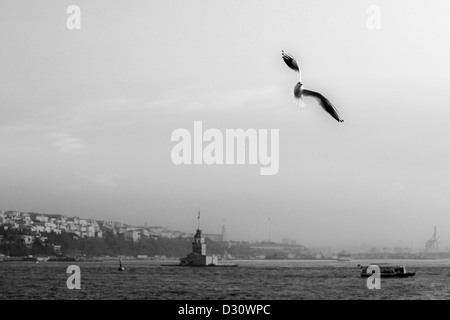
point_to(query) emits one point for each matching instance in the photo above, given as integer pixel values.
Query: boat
(29, 258)
(42, 259)
(61, 258)
(344, 256)
(388, 271)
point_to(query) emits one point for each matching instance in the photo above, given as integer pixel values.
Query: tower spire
(198, 220)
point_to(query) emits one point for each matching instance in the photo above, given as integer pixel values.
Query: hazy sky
(86, 115)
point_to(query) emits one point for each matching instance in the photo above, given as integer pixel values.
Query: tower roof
(198, 234)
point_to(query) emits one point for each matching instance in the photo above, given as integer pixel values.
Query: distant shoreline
(112, 259)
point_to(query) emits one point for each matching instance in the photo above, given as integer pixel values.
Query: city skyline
(21, 220)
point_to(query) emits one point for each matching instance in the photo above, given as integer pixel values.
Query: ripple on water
(271, 280)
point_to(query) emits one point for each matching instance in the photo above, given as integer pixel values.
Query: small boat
(29, 258)
(42, 259)
(342, 256)
(121, 268)
(388, 271)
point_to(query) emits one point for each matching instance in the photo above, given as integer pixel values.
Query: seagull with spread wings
(300, 92)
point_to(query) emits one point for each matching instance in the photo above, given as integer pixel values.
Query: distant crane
(224, 232)
(432, 245)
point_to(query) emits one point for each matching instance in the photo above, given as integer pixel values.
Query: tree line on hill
(12, 244)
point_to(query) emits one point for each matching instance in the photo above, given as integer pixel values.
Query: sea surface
(252, 279)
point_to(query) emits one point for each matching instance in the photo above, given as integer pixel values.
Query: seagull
(299, 92)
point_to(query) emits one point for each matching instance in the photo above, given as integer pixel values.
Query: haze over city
(87, 115)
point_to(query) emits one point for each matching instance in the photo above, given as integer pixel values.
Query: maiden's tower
(198, 256)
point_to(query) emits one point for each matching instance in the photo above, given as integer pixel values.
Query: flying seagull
(299, 92)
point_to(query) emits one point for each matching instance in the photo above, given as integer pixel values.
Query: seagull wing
(290, 61)
(324, 103)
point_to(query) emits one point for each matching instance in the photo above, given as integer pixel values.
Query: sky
(86, 116)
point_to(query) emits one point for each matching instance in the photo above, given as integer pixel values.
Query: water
(255, 280)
